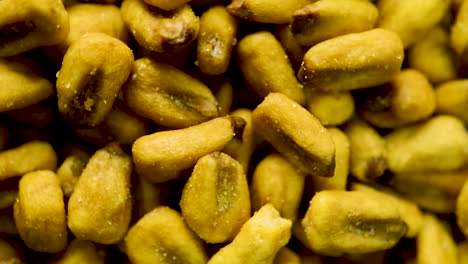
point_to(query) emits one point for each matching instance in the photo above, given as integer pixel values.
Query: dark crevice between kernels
(15, 31)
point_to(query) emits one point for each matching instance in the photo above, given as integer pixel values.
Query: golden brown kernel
(40, 212)
(352, 61)
(163, 155)
(368, 153)
(434, 191)
(92, 73)
(258, 241)
(296, 134)
(70, 170)
(409, 211)
(277, 182)
(268, 69)
(326, 19)
(266, 11)
(452, 98)
(20, 86)
(411, 98)
(81, 251)
(161, 236)
(215, 201)
(332, 109)
(28, 24)
(35, 155)
(159, 30)
(339, 222)
(440, 143)
(433, 56)
(215, 41)
(411, 20)
(168, 96)
(434, 243)
(287, 256)
(100, 207)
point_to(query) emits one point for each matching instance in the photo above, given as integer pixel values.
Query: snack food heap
(233, 132)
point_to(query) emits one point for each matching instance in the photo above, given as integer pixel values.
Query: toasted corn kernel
(296, 134)
(100, 207)
(339, 222)
(163, 155)
(352, 61)
(258, 241)
(161, 236)
(40, 212)
(215, 201)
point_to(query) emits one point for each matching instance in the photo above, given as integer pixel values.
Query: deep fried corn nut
(167, 5)
(99, 209)
(81, 251)
(332, 109)
(434, 191)
(161, 236)
(20, 86)
(121, 125)
(462, 208)
(163, 155)
(326, 19)
(433, 56)
(70, 170)
(287, 256)
(268, 69)
(368, 153)
(168, 96)
(409, 211)
(266, 11)
(225, 98)
(452, 98)
(340, 176)
(215, 41)
(411, 20)
(215, 201)
(159, 30)
(459, 30)
(352, 61)
(339, 222)
(92, 73)
(296, 134)
(31, 156)
(40, 212)
(28, 24)
(462, 252)
(441, 144)
(411, 97)
(258, 241)
(435, 243)
(88, 18)
(277, 182)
